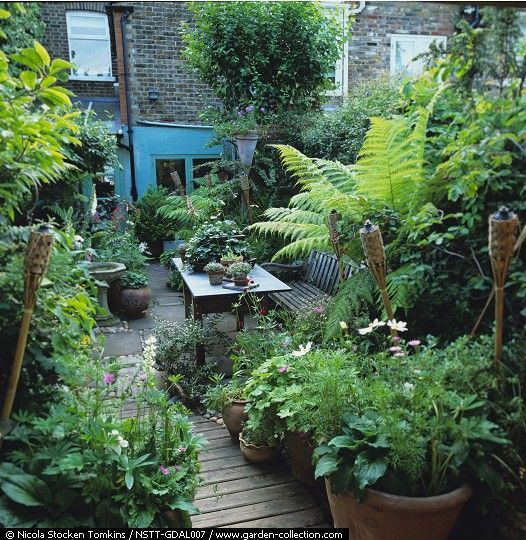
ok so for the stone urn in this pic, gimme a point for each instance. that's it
(104, 273)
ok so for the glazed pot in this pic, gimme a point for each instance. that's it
(216, 278)
(134, 302)
(257, 454)
(300, 450)
(383, 516)
(155, 249)
(234, 416)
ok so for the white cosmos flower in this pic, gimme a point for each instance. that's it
(303, 350)
(343, 325)
(399, 326)
(376, 323)
(366, 330)
(408, 387)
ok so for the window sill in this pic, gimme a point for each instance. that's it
(92, 79)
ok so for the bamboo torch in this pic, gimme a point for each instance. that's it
(373, 246)
(333, 218)
(503, 227)
(38, 253)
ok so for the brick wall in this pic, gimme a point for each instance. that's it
(56, 42)
(155, 46)
(370, 45)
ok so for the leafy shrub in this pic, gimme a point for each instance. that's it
(134, 280)
(148, 226)
(277, 51)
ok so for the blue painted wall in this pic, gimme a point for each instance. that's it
(160, 142)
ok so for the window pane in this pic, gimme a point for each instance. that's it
(404, 54)
(91, 57)
(87, 26)
(164, 169)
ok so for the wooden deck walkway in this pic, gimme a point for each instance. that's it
(236, 493)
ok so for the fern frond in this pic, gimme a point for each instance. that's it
(293, 215)
(404, 286)
(353, 297)
(303, 247)
(290, 231)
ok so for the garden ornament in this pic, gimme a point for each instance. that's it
(373, 247)
(503, 228)
(38, 254)
(246, 146)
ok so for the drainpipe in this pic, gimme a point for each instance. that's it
(123, 20)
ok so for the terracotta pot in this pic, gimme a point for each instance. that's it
(241, 281)
(234, 416)
(216, 278)
(257, 454)
(383, 516)
(300, 449)
(134, 302)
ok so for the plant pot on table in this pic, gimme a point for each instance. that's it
(382, 516)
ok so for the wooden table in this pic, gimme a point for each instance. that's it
(201, 298)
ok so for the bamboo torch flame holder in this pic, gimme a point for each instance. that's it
(373, 246)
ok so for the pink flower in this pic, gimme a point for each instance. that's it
(395, 348)
(319, 310)
(396, 338)
(283, 369)
(398, 354)
(164, 470)
(414, 342)
(182, 449)
(108, 378)
(142, 376)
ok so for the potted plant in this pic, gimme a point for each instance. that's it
(229, 258)
(211, 240)
(228, 398)
(258, 444)
(216, 272)
(412, 443)
(239, 273)
(135, 293)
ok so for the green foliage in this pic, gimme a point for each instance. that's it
(112, 246)
(20, 26)
(212, 240)
(238, 269)
(33, 130)
(214, 268)
(134, 280)
(339, 134)
(176, 356)
(277, 51)
(149, 227)
(175, 280)
(220, 395)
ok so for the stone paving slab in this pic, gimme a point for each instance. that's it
(122, 344)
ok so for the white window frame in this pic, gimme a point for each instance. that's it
(422, 43)
(341, 68)
(106, 38)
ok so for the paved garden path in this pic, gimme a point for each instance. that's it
(234, 493)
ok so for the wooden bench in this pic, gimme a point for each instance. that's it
(316, 280)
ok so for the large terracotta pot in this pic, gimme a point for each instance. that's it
(383, 516)
(256, 454)
(300, 450)
(134, 302)
(234, 416)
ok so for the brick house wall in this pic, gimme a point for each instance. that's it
(56, 42)
(155, 47)
(370, 44)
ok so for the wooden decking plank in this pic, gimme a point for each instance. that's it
(244, 484)
(321, 526)
(234, 473)
(212, 435)
(255, 511)
(303, 518)
(246, 498)
(223, 463)
(195, 419)
(205, 428)
(219, 453)
(221, 443)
